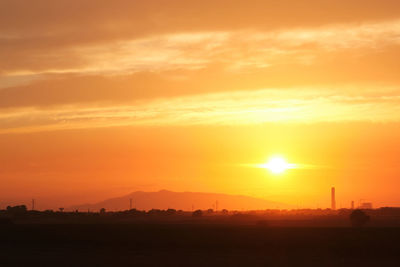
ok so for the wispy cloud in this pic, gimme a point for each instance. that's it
(192, 50)
(291, 105)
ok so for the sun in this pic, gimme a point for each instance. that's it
(277, 165)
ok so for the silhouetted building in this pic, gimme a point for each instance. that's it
(333, 200)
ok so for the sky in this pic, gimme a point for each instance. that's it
(102, 98)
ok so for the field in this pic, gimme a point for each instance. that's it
(196, 245)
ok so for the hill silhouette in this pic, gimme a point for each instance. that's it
(165, 199)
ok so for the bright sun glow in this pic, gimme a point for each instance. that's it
(277, 165)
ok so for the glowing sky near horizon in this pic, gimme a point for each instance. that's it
(94, 94)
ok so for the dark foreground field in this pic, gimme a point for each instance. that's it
(196, 245)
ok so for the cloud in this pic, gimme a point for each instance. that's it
(293, 105)
(202, 62)
(64, 64)
(193, 50)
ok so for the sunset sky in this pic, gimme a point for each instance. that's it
(101, 98)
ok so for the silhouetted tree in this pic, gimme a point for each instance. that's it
(136, 212)
(197, 213)
(17, 212)
(210, 211)
(155, 212)
(61, 209)
(17, 209)
(171, 211)
(224, 211)
(358, 218)
(102, 210)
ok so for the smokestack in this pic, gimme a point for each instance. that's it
(352, 204)
(333, 200)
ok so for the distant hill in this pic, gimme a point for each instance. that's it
(182, 201)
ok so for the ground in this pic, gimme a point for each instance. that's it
(196, 245)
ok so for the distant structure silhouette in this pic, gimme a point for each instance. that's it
(352, 204)
(33, 204)
(333, 199)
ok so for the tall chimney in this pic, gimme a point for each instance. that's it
(333, 200)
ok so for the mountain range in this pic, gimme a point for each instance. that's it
(187, 201)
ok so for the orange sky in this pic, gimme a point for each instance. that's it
(98, 99)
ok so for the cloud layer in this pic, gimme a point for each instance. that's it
(64, 65)
(299, 105)
(193, 50)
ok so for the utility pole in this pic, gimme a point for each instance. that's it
(130, 203)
